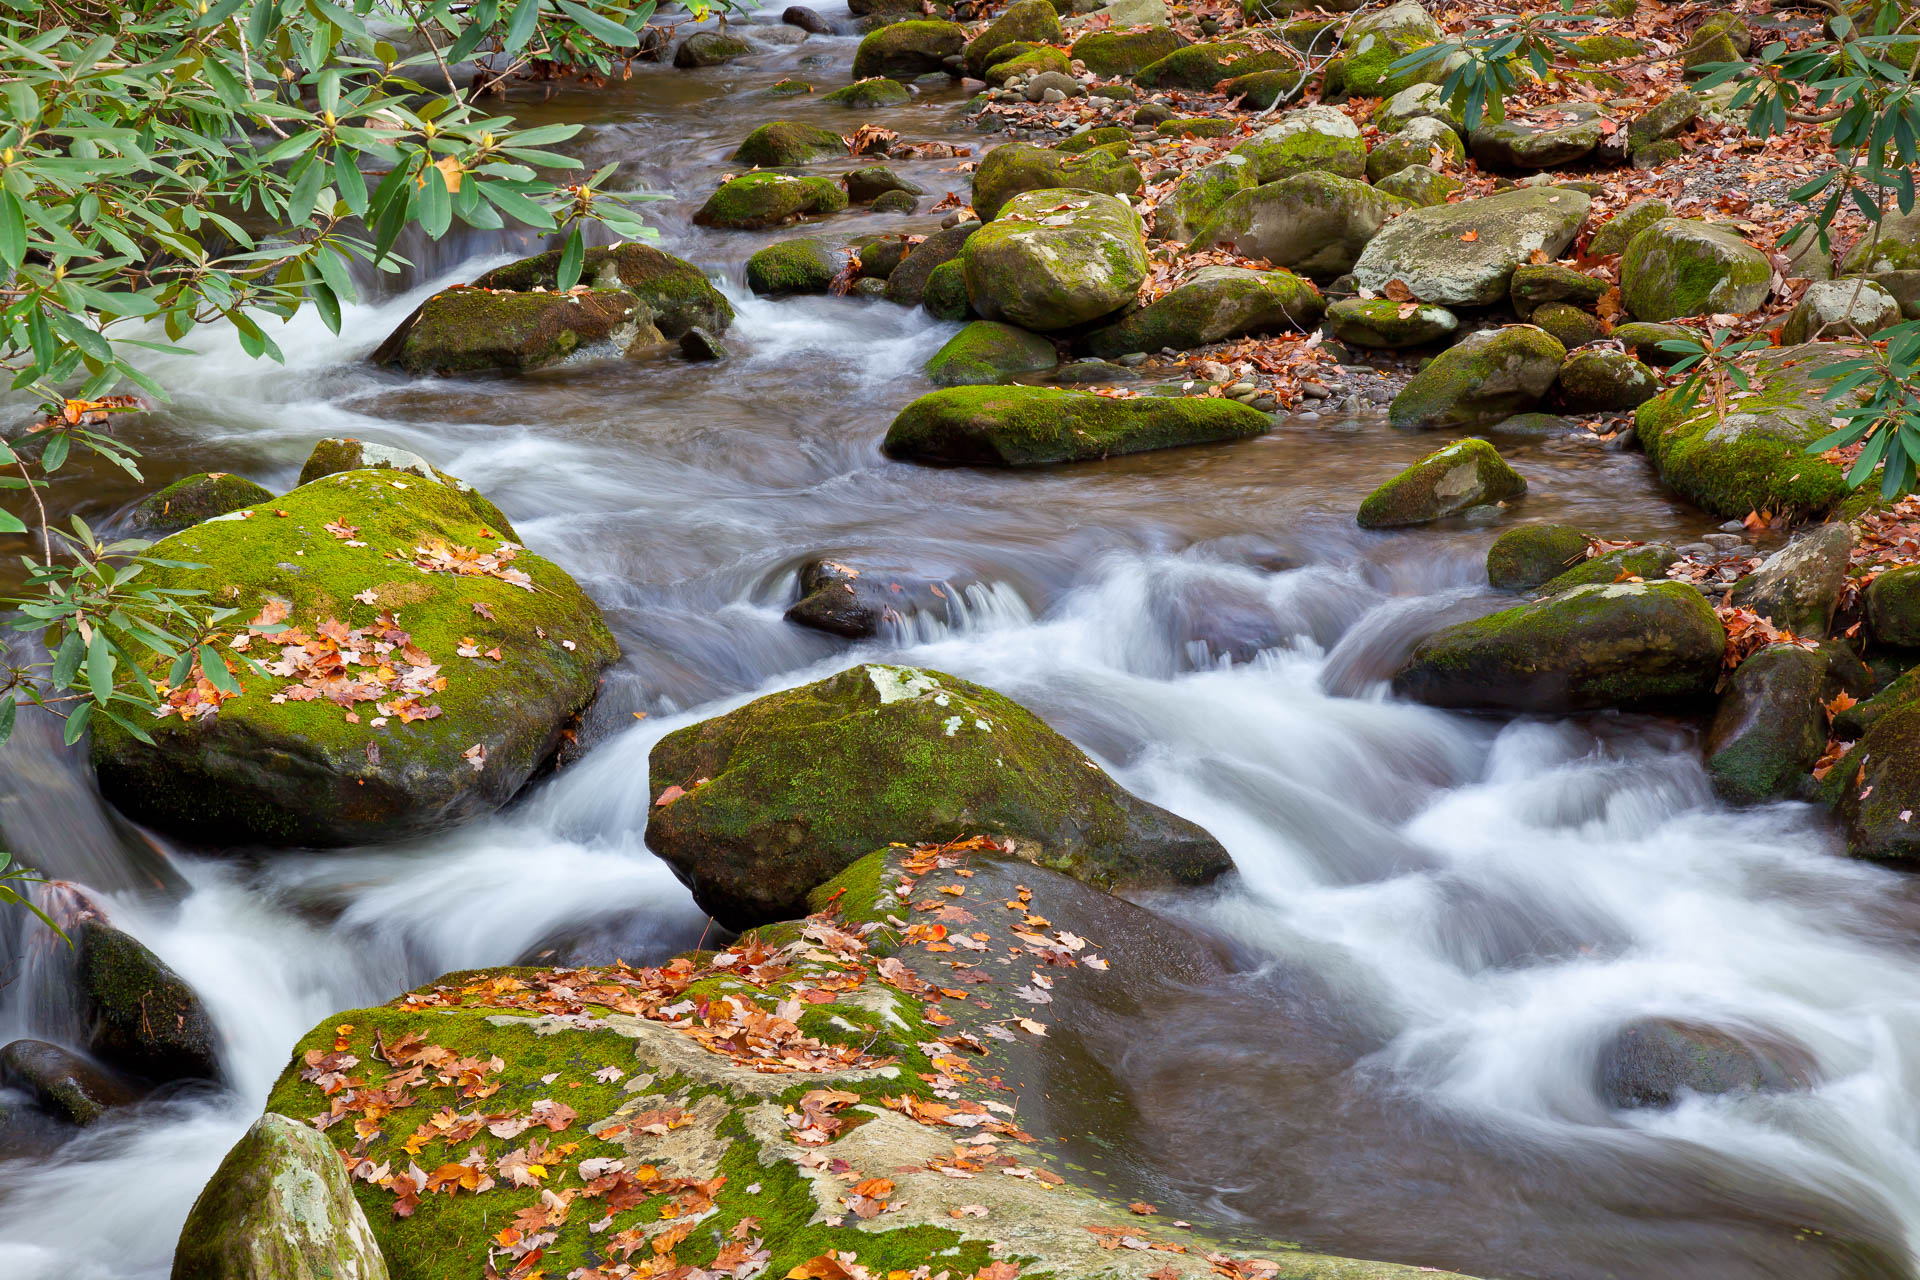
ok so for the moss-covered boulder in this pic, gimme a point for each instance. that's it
(1037, 65)
(345, 453)
(1124, 53)
(868, 94)
(1537, 284)
(674, 293)
(786, 142)
(1420, 185)
(383, 712)
(1380, 322)
(1534, 554)
(1570, 326)
(1893, 607)
(1517, 145)
(1199, 195)
(1199, 67)
(755, 200)
(468, 330)
(1465, 254)
(1881, 788)
(1851, 723)
(1313, 223)
(1104, 136)
(987, 352)
(1602, 381)
(1797, 587)
(1217, 303)
(140, 1015)
(1895, 248)
(709, 49)
(868, 183)
(1425, 141)
(805, 265)
(1616, 233)
(279, 1205)
(1263, 90)
(907, 282)
(1681, 267)
(1032, 21)
(1375, 41)
(908, 50)
(1644, 340)
(1417, 102)
(945, 296)
(1647, 562)
(1466, 473)
(191, 499)
(1628, 644)
(1752, 458)
(1037, 426)
(1840, 309)
(1770, 728)
(1016, 167)
(1056, 258)
(768, 802)
(1307, 140)
(64, 1084)
(1480, 380)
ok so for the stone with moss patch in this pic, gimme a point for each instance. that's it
(468, 330)
(1798, 586)
(1532, 555)
(1056, 258)
(1535, 284)
(1217, 303)
(1417, 102)
(805, 265)
(1570, 326)
(1419, 185)
(676, 294)
(1038, 426)
(1621, 645)
(262, 771)
(1840, 309)
(1465, 254)
(1201, 66)
(1648, 562)
(1682, 267)
(755, 200)
(1199, 195)
(907, 50)
(875, 91)
(1893, 607)
(1307, 140)
(140, 1015)
(1883, 783)
(1896, 248)
(709, 49)
(1643, 339)
(1486, 377)
(1425, 141)
(1380, 322)
(1024, 61)
(1617, 232)
(945, 296)
(987, 352)
(1104, 136)
(1770, 727)
(1016, 167)
(787, 142)
(1603, 381)
(1852, 722)
(1314, 223)
(1466, 473)
(1375, 41)
(1517, 144)
(1263, 90)
(1031, 21)
(907, 283)
(1123, 53)
(191, 499)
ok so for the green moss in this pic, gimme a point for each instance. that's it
(945, 295)
(1201, 66)
(784, 142)
(876, 91)
(1482, 380)
(1216, 305)
(1893, 607)
(1081, 143)
(1648, 563)
(1028, 21)
(1014, 168)
(1597, 380)
(1421, 185)
(1678, 267)
(1524, 558)
(1366, 75)
(905, 50)
(476, 331)
(191, 499)
(1607, 47)
(794, 266)
(1195, 127)
(987, 352)
(1854, 721)
(1466, 473)
(764, 199)
(1035, 426)
(788, 89)
(1881, 787)
(676, 294)
(1123, 53)
(1028, 62)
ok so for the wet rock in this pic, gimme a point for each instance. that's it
(908, 281)
(755, 200)
(785, 142)
(1425, 141)
(697, 344)
(868, 184)
(1852, 722)
(1307, 140)
(945, 296)
(1124, 53)
(1647, 562)
(1378, 322)
(142, 1016)
(675, 294)
(280, 1205)
(1532, 555)
(262, 771)
(1644, 340)
(1797, 586)
(1056, 258)
(1881, 784)
(1217, 303)
(1036, 426)
(191, 499)
(1513, 144)
(1375, 41)
(1313, 223)
(1771, 726)
(1417, 102)
(1840, 309)
(844, 600)
(1031, 21)
(1569, 325)
(1015, 168)
(1480, 380)
(1754, 457)
(1199, 195)
(769, 824)
(1893, 607)
(805, 265)
(1016, 62)
(869, 94)
(1896, 248)
(1656, 1062)
(1602, 381)
(1535, 285)
(1424, 247)
(1419, 184)
(798, 15)
(987, 352)
(332, 456)
(1661, 121)
(1617, 232)
(709, 49)
(464, 330)
(63, 1083)
(1623, 645)
(894, 202)
(1680, 267)
(1466, 473)
(905, 50)
(878, 258)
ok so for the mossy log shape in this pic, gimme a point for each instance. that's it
(1038, 426)
(1466, 473)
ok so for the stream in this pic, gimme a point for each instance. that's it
(1440, 919)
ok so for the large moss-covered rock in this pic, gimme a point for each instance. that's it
(1199, 195)
(1465, 254)
(1681, 267)
(1537, 284)
(1628, 644)
(908, 50)
(1532, 555)
(805, 265)
(1771, 726)
(1427, 142)
(1199, 67)
(282, 763)
(1516, 144)
(1896, 248)
(1124, 53)
(1797, 586)
(1596, 380)
(1616, 233)
(1031, 21)
(1307, 140)
(62, 1083)
(1313, 223)
(1893, 607)
(468, 330)
(786, 142)
(1017, 167)
(1644, 340)
(191, 499)
(1030, 62)
(1754, 457)
(755, 200)
(675, 294)
(788, 791)
(868, 94)
(1852, 723)
(987, 352)
(945, 296)
(1261, 90)
(280, 1205)
(1466, 473)
(1216, 304)
(1881, 789)
(1056, 258)
(1570, 326)
(870, 182)
(1420, 185)
(709, 49)
(1380, 322)
(1036, 426)
(1482, 379)
(908, 281)
(141, 1016)
(1375, 41)
(1647, 562)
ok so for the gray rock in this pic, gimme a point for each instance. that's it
(798, 15)
(1596, 380)
(1313, 223)
(64, 1083)
(1655, 1062)
(1511, 144)
(1840, 309)
(908, 282)
(1314, 139)
(1616, 232)
(1424, 248)
(1417, 102)
(1448, 481)
(1797, 586)
(1681, 267)
(1482, 379)
(709, 49)
(143, 1017)
(697, 344)
(1771, 726)
(1380, 322)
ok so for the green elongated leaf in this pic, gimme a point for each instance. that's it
(55, 455)
(66, 660)
(13, 231)
(606, 29)
(350, 182)
(332, 265)
(262, 21)
(469, 40)
(8, 710)
(77, 722)
(526, 15)
(182, 668)
(515, 205)
(10, 523)
(436, 203)
(571, 258)
(325, 303)
(100, 664)
(214, 667)
(313, 173)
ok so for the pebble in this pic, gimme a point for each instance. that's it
(1697, 551)
(1133, 359)
(1315, 391)
(1734, 526)
(1266, 404)
(1724, 541)
(1241, 388)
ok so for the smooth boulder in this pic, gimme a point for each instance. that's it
(1014, 168)
(1466, 473)
(1314, 223)
(1840, 309)
(908, 50)
(1380, 322)
(1655, 1062)
(1199, 195)
(1465, 254)
(988, 352)
(1483, 379)
(1770, 728)
(1535, 554)
(1307, 140)
(1797, 587)
(1054, 259)
(1893, 607)
(755, 200)
(788, 142)
(1037, 426)
(62, 1083)
(1680, 267)
(1216, 304)
(1596, 380)
(805, 265)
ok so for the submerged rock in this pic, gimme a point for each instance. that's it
(846, 600)
(1680, 267)
(756, 811)
(755, 200)
(1313, 223)
(191, 499)
(868, 94)
(1624, 645)
(1216, 304)
(786, 142)
(1483, 379)
(1771, 726)
(1655, 1062)
(63, 1083)
(1466, 473)
(709, 49)
(282, 763)
(280, 1205)
(1036, 426)
(1430, 250)
(988, 352)
(1532, 555)
(868, 184)
(1017, 167)
(142, 1016)
(1055, 259)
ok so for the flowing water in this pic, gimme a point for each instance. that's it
(1438, 920)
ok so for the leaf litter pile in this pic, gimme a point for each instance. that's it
(418, 1120)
